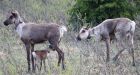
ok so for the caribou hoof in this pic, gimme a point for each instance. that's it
(33, 71)
(29, 71)
(114, 59)
(107, 60)
(133, 64)
(58, 64)
(63, 67)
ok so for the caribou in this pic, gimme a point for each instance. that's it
(40, 57)
(119, 29)
(33, 33)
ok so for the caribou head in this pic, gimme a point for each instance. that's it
(85, 33)
(13, 18)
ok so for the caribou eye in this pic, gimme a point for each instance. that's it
(83, 31)
(11, 17)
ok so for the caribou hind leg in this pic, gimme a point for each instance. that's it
(61, 57)
(121, 44)
(54, 43)
(131, 50)
(117, 55)
(50, 46)
(133, 58)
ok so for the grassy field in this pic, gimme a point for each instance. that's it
(81, 58)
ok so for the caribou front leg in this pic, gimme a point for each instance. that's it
(44, 65)
(132, 54)
(40, 65)
(28, 55)
(33, 64)
(107, 42)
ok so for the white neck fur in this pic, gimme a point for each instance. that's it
(96, 33)
(19, 29)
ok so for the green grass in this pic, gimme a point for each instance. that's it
(81, 58)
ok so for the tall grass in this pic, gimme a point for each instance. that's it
(81, 58)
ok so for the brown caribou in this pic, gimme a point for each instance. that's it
(40, 57)
(119, 29)
(32, 33)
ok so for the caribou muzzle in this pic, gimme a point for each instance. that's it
(78, 38)
(89, 37)
(5, 23)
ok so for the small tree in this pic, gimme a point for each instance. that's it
(95, 11)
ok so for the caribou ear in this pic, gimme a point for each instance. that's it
(85, 27)
(14, 13)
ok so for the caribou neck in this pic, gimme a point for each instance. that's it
(96, 33)
(19, 28)
(17, 24)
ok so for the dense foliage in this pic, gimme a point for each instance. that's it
(95, 11)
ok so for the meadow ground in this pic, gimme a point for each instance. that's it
(81, 57)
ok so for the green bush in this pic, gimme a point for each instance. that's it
(95, 11)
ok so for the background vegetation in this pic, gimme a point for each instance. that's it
(81, 58)
(95, 11)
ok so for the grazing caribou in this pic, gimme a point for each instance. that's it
(120, 29)
(40, 57)
(32, 33)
